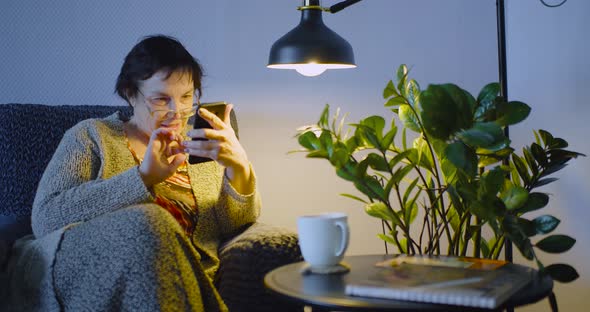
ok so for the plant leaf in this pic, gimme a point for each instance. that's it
(386, 238)
(376, 123)
(546, 137)
(408, 118)
(545, 224)
(527, 226)
(388, 138)
(440, 113)
(522, 169)
(562, 272)
(462, 157)
(487, 157)
(562, 156)
(422, 157)
(542, 182)
(318, 154)
(309, 140)
(409, 189)
(413, 93)
(528, 156)
(354, 197)
(514, 197)
(535, 201)
(552, 168)
(400, 173)
(377, 162)
(492, 181)
(368, 136)
(511, 113)
(381, 211)
(399, 157)
(558, 143)
(404, 139)
(488, 94)
(516, 234)
(484, 134)
(402, 77)
(326, 142)
(395, 101)
(410, 213)
(539, 154)
(340, 157)
(348, 172)
(375, 187)
(389, 90)
(537, 137)
(556, 243)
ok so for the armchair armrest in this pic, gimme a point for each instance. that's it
(245, 259)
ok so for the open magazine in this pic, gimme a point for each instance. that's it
(447, 280)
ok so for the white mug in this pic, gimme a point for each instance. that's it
(323, 238)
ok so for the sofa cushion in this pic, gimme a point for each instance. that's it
(29, 135)
(245, 260)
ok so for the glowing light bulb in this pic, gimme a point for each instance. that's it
(311, 70)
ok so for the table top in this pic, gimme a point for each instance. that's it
(327, 291)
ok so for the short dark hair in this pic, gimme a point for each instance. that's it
(153, 54)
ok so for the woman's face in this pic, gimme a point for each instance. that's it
(160, 94)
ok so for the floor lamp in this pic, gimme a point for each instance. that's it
(311, 48)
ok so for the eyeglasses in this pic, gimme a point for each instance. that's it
(168, 113)
(162, 103)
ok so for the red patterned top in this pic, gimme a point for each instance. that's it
(175, 194)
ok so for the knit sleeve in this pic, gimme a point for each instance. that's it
(235, 210)
(71, 191)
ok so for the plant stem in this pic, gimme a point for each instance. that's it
(466, 238)
(406, 228)
(399, 245)
(477, 243)
(409, 240)
(386, 201)
(495, 251)
(455, 242)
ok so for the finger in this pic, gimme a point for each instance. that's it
(162, 134)
(204, 133)
(177, 150)
(204, 145)
(163, 131)
(213, 153)
(208, 153)
(177, 161)
(211, 118)
(227, 114)
(196, 134)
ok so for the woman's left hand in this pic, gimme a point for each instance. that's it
(223, 146)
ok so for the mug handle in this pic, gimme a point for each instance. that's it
(345, 236)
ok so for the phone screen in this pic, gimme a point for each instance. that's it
(217, 108)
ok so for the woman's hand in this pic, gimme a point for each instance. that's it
(163, 156)
(223, 146)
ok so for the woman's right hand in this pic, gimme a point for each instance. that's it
(162, 157)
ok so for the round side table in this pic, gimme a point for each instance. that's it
(326, 292)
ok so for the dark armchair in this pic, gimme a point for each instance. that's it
(30, 133)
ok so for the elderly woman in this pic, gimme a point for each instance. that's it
(141, 226)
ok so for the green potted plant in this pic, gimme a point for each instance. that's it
(445, 158)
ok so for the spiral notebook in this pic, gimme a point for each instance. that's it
(470, 285)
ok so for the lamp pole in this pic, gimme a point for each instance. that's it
(501, 27)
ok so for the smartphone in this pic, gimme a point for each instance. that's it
(217, 108)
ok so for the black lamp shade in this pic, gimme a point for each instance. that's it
(311, 42)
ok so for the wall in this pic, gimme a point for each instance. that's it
(71, 51)
(549, 69)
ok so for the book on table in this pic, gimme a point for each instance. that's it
(470, 282)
